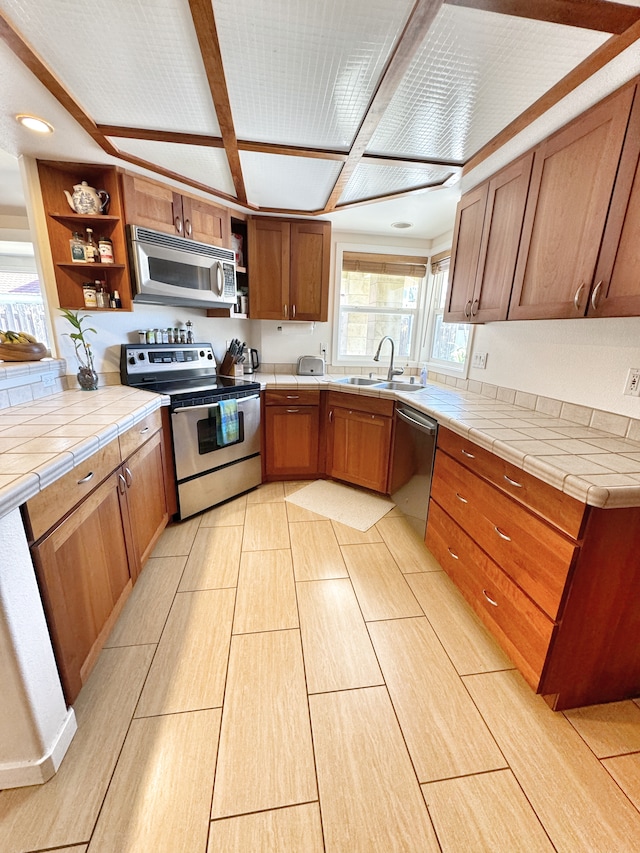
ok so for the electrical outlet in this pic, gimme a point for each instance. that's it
(632, 385)
(479, 360)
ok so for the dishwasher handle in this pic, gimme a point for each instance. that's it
(418, 420)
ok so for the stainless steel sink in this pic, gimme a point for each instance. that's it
(400, 386)
(358, 380)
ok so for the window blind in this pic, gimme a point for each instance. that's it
(384, 264)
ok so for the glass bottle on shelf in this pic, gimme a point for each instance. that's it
(92, 253)
(189, 332)
(102, 296)
(77, 248)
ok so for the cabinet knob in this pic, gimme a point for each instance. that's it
(178, 224)
(188, 230)
(467, 310)
(474, 307)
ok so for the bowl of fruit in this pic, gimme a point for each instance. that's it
(20, 346)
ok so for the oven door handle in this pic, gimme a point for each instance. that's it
(212, 405)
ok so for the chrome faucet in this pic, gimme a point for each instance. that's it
(391, 372)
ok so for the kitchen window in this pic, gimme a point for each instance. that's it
(21, 304)
(446, 345)
(380, 294)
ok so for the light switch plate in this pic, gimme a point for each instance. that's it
(479, 360)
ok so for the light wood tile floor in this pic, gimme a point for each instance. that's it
(279, 683)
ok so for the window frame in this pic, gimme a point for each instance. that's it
(380, 249)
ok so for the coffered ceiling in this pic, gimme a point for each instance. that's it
(304, 107)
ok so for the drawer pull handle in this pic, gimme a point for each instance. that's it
(595, 294)
(122, 486)
(293, 396)
(85, 479)
(466, 453)
(145, 429)
(292, 411)
(460, 498)
(489, 599)
(576, 298)
(128, 477)
(501, 534)
(455, 556)
(513, 482)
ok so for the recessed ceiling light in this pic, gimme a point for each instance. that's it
(402, 224)
(35, 123)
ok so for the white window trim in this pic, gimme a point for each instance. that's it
(366, 361)
(434, 365)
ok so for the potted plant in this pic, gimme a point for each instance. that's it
(87, 376)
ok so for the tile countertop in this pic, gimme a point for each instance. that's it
(594, 466)
(43, 439)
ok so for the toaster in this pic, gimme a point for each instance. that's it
(310, 365)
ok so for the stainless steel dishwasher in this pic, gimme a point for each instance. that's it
(414, 448)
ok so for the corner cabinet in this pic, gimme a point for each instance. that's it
(359, 432)
(553, 579)
(55, 178)
(159, 207)
(91, 531)
(292, 432)
(485, 246)
(289, 261)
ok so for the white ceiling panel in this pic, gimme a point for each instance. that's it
(475, 73)
(127, 62)
(370, 180)
(293, 183)
(209, 166)
(312, 66)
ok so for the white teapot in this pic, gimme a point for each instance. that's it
(87, 200)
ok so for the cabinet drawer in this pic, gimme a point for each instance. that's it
(523, 631)
(133, 438)
(293, 397)
(360, 403)
(561, 510)
(53, 503)
(529, 550)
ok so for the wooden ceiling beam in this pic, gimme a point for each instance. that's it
(207, 34)
(598, 15)
(416, 28)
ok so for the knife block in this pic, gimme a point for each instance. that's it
(226, 368)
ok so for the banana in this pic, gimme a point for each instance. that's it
(10, 337)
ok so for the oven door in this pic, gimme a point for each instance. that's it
(195, 441)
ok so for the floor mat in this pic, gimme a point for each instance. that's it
(345, 504)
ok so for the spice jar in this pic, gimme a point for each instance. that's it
(89, 294)
(77, 248)
(142, 336)
(105, 247)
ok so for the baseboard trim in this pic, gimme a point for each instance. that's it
(22, 774)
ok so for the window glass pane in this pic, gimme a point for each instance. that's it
(360, 333)
(379, 291)
(21, 303)
(450, 341)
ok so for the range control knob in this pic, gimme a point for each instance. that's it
(141, 356)
(132, 360)
(210, 356)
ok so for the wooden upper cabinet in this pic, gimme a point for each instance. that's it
(571, 187)
(269, 241)
(289, 262)
(157, 206)
(467, 237)
(309, 272)
(616, 290)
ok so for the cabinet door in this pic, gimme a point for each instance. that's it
(309, 281)
(616, 292)
(467, 237)
(504, 215)
(83, 573)
(152, 205)
(571, 187)
(269, 241)
(206, 222)
(146, 500)
(359, 445)
(291, 441)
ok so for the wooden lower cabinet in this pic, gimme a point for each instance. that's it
(87, 562)
(292, 432)
(82, 568)
(563, 607)
(359, 440)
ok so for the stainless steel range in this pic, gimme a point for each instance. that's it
(208, 470)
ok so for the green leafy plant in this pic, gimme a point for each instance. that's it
(82, 346)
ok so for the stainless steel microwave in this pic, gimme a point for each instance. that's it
(169, 270)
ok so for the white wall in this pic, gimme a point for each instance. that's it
(582, 361)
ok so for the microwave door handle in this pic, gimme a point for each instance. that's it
(219, 279)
